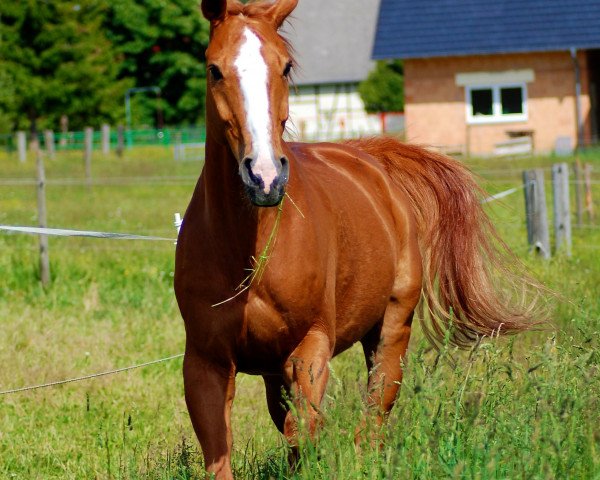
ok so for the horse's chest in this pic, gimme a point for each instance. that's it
(271, 328)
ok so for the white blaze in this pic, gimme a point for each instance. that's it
(253, 74)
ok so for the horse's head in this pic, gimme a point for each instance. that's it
(247, 96)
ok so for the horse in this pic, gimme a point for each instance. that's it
(290, 253)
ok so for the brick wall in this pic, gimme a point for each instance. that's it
(436, 110)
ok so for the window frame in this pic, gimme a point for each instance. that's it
(497, 115)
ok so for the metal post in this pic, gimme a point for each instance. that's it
(42, 217)
(562, 211)
(538, 235)
(157, 91)
(89, 138)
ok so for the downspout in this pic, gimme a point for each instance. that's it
(578, 116)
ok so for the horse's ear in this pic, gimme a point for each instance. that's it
(214, 10)
(280, 10)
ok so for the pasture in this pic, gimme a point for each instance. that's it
(522, 407)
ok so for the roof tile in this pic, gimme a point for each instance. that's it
(433, 28)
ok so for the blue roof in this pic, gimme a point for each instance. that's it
(440, 28)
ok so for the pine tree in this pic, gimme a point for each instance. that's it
(55, 60)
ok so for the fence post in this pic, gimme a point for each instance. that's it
(178, 148)
(562, 210)
(42, 217)
(89, 139)
(49, 141)
(105, 139)
(120, 140)
(589, 201)
(64, 130)
(578, 189)
(538, 235)
(22, 146)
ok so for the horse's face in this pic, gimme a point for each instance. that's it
(247, 96)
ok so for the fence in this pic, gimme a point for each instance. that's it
(140, 137)
(537, 233)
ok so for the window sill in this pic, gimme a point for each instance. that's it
(497, 120)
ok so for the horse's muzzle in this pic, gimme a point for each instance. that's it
(255, 187)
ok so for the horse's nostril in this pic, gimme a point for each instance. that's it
(285, 168)
(247, 166)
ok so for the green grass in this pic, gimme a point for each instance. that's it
(525, 407)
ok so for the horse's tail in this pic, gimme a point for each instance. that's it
(472, 284)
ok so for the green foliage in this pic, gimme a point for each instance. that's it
(383, 90)
(55, 60)
(162, 43)
(78, 57)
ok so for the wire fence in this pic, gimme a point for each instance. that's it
(124, 236)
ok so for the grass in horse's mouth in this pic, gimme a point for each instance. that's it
(259, 264)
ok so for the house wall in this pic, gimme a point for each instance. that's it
(436, 109)
(329, 112)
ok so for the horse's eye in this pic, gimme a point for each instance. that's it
(288, 69)
(215, 73)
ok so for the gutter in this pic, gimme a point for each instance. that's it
(579, 118)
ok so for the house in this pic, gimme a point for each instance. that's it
(485, 76)
(332, 44)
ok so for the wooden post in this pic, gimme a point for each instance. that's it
(49, 141)
(22, 146)
(64, 130)
(89, 139)
(562, 210)
(178, 148)
(120, 140)
(105, 139)
(538, 235)
(42, 217)
(589, 200)
(578, 191)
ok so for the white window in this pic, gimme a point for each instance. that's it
(496, 103)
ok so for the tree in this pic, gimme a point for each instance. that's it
(383, 90)
(162, 43)
(55, 60)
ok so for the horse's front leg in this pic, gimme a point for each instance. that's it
(307, 372)
(209, 392)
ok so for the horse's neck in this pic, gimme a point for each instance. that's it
(219, 174)
(225, 208)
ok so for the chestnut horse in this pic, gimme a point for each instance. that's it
(361, 233)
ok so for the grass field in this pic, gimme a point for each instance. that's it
(524, 407)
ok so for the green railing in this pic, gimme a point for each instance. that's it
(131, 138)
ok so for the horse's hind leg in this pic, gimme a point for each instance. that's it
(384, 348)
(277, 399)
